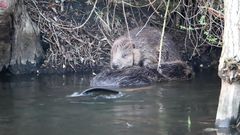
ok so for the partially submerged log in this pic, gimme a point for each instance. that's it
(229, 67)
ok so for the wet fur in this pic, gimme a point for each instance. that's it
(142, 46)
(142, 76)
(134, 61)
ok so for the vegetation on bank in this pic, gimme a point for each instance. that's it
(80, 32)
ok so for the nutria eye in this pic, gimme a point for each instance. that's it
(124, 55)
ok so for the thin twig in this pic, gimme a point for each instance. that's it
(162, 36)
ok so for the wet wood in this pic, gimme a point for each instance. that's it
(228, 104)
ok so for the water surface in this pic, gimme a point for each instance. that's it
(38, 105)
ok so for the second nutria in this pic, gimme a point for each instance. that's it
(136, 76)
(140, 46)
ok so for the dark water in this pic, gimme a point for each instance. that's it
(37, 105)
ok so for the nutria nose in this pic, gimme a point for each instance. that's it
(114, 66)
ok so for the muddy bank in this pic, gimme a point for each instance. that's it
(76, 36)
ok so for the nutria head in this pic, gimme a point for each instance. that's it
(122, 53)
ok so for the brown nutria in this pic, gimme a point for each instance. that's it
(141, 47)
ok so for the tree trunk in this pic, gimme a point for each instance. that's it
(229, 66)
(20, 49)
(6, 27)
(26, 49)
(5, 41)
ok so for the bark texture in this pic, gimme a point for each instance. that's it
(229, 66)
(5, 41)
(26, 49)
(6, 28)
(20, 49)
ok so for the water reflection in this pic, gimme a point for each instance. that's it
(37, 105)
